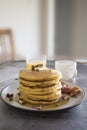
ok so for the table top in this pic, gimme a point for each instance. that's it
(15, 119)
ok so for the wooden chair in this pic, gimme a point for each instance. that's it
(7, 50)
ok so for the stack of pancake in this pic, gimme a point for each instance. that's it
(39, 86)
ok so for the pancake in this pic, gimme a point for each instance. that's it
(45, 97)
(38, 102)
(40, 86)
(44, 75)
(40, 91)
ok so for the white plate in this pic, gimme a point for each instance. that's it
(12, 88)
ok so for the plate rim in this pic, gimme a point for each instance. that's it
(51, 110)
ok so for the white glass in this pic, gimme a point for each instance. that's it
(35, 61)
(67, 68)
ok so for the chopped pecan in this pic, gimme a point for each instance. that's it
(33, 67)
(66, 90)
(10, 96)
(72, 92)
(10, 99)
(21, 102)
(65, 97)
(38, 107)
(39, 65)
(36, 67)
(75, 91)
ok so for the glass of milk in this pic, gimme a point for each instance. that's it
(67, 68)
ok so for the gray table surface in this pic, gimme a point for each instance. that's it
(15, 119)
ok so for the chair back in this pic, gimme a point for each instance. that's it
(7, 50)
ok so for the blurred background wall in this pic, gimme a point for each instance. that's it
(71, 28)
(50, 27)
(22, 16)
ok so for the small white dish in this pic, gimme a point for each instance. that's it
(83, 61)
(67, 68)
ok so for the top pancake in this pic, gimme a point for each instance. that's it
(43, 75)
